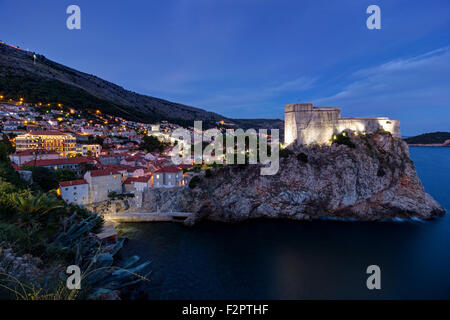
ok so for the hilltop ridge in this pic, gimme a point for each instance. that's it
(41, 79)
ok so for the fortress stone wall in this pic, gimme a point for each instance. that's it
(306, 124)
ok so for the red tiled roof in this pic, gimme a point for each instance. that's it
(169, 169)
(72, 183)
(101, 173)
(55, 162)
(33, 152)
(140, 179)
(47, 133)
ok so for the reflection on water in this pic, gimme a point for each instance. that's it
(272, 259)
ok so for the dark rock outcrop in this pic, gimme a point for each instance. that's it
(376, 179)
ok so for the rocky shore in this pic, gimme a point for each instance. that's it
(372, 179)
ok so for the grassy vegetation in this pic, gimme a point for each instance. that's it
(40, 225)
(30, 218)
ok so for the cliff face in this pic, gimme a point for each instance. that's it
(374, 180)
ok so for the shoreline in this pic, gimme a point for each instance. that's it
(428, 145)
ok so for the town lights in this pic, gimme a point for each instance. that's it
(1, 97)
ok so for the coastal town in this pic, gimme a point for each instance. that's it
(102, 154)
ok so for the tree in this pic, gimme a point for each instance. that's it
(152, 144)
(65, 175)
(99, 140)
(8, 145)
(45, 178)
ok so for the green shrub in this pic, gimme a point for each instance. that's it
(381, 172)
(65, 175)
(344, 139)
(194, 182)
(286, 153)
(11, 233)
(45, 178)
(302, 157)
(208, 173)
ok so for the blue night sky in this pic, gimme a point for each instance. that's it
(248, 58)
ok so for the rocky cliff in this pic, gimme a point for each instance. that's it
(369, 179)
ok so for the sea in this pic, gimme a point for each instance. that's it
(283, 259)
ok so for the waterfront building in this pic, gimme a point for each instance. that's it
(140, 184)
(168, 177)
(102, 183)
(76, 191)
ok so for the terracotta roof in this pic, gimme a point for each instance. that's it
(169, 169)
(55, 162)
(101, 173)
(140, 179)
(72, 183)
(33, 152)
(47, 133)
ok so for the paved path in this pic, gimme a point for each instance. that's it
(146, 216)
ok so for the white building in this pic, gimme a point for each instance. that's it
(22, 157)
(137, 184)
(168, 177)
(102, 183)
(89, 149)
(76, 192)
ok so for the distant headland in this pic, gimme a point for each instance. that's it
(433, 139)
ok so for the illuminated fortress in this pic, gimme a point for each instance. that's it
(306, 124)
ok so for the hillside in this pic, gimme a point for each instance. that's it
(429, 138)
(50, 82)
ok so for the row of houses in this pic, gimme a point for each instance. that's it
(98, 185)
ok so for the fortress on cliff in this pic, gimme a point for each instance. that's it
(305, 124)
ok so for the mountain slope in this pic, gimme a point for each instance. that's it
(48, 81)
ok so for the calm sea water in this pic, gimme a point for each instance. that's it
(270, 259)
